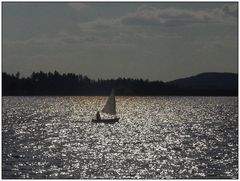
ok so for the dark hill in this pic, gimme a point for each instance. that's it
(208, 81)
(207, 84)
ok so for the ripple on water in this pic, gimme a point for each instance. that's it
(157, 137)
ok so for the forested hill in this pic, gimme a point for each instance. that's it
(40, 83)
(208, 81)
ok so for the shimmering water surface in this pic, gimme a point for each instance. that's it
(157, 137)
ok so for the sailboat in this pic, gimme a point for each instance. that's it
(110, 109)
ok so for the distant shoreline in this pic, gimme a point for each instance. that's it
(55, 84)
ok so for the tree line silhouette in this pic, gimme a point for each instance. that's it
(40, 83)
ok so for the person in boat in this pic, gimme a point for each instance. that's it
(98, 117)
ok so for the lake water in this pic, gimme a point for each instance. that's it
(156, 137)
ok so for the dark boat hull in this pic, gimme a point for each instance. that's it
(114, 120)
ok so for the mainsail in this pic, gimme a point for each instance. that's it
(110, 106)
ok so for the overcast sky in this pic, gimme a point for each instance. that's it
(156, 41)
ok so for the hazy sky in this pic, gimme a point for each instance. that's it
(158, 41)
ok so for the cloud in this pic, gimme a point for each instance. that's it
(79, 6)
(59, 39)
(120, 30)
(230, 9)
(113, 30)
(174, 17)
(101, 25)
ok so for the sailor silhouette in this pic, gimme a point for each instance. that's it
(98, 117)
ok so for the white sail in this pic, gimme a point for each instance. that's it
(110, 106)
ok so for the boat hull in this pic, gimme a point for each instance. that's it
(114, 120)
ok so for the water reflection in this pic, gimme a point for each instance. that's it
(157, 137)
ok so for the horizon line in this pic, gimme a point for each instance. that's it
(96, 79)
